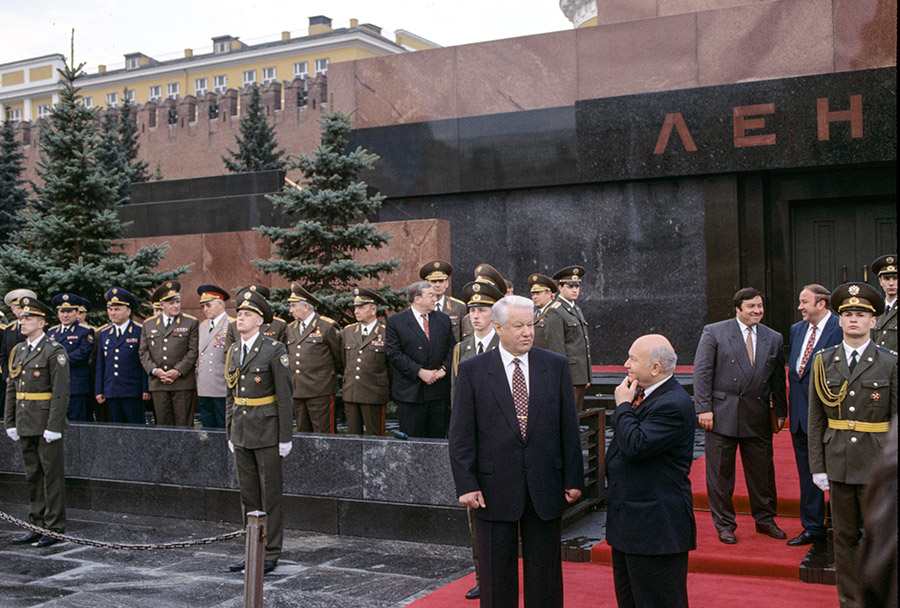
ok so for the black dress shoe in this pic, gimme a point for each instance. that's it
(727, 537)
(771, 530)
(473, 593)
(236, 566)
(268, 566)
(26, 539)
(46, 541)
(805, 538)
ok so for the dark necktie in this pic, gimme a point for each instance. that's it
(437, 306)
(168, 322)
(520, 396)
(212, 325)
(480, 348)
(637, 399)
(243, 353)
(365, 332)
(30, 350)
(425, 326)
(118, 332)
(854, 357)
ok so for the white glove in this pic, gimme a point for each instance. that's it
(230, 447)
(821, 481)
(13, 434)
(285, 448)
(50, 436)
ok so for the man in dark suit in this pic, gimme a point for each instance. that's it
(419, 344)
(516, 459)
(647, 468)
(818, 330)
(738, 369)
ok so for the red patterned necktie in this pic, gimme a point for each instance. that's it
(425, 326)
(637, 399)
(520, 396)
(807, 352)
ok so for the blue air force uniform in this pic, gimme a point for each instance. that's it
(119, 375)
(78, 341)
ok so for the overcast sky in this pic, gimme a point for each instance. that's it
(107, 29)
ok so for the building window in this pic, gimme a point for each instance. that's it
(87, 102)
(201, 86)
(129, 94)
(220, 83)
(155, 93)
(112, 100)
(222, 47)
(172, 90)
(268, 75)
(249, 77)
(43, 110)
(133, 63)
(321, 66)
(14, 114)
(301, 70)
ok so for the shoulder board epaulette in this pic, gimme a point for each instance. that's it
(351, 325)
(4, 326)
(269, 341)
(102, 327)
(231, 319)
(327, 320)
(187, 316)
(885, 349)
(51, 342)
(829, 349)
(141, 325)
(86, 326)
(279, 319)
(54, 327)
(458, 301)
(556, 304)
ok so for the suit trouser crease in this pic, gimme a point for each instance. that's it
(259, 478)
(45, 477)
(812, 499)
(759, 474)
(426, 419)
(173, 408)
(212, 412)
(368, 414)
(846, 518)
(313, 414)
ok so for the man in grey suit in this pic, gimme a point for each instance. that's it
(738, 376)
(211, 358)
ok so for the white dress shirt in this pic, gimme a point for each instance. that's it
(848, 351)
(820, 327)
(509, 367)
(485, 342)
(653, 387)
(753, 332)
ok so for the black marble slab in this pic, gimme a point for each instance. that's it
(444, 525)
(226, 185)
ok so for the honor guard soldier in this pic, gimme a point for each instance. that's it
(850, 409)
(120, 382)
(168, 351)
(258, 418)
(78, 341)
(37, 396)
(566, 331)
(885, 330)
(276, 329)
(438, 274)
(11, 334)
(314, 345)
(211, 358)
(367, 387)
(484, 273)
(543, 291)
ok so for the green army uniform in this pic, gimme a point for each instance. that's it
(885, 331)
(566, 332)
(277, 330)
(37, 396)
(366, 389)
(456, 310)
(541, 283)
(849, 415)
(258, 418)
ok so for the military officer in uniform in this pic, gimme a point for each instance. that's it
(314, 345)
(11, 334)
(258, 418)
(367, 387)
(438, 274)
(37, 396)
(211, 357)
(850, 408)
(168, 351)
(120, 382)
(543, 291)
(885, 331)
(78, 341)
(484, 273)
(276, 329)
(566, 331)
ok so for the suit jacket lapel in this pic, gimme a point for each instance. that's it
(763, 344)
(416, 328)
(739, 345)
(536, 371)
(206, 335)
(500, 387)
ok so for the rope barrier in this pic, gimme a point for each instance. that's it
(128, 547)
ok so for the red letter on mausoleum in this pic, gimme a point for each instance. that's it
(743, 124)
(824, 118)
(677, 121)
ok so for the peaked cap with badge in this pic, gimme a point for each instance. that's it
(12, 298)
(485, 273)
(479, 293)
(570, 275)
(261, 289)
(885, 266)
(361, 296)
(167, 291)
(117, 296)
(298, 294)
(857, 296)
(540, 282)
(253, 301)
(32, 307)
(212, 292)
(437, 270)
(65, 301)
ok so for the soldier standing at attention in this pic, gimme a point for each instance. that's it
(566, 331)
(258, 419)
(11, 334)
(314, 346)
(211, 357)
(543, 291)
(438, 274)
(78, 340)
(168, 351)
(120, 382)
(276, 329)
(367, 387)
(37, 397)
(885, 331)
(850, 408)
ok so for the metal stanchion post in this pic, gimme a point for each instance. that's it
(254, 557)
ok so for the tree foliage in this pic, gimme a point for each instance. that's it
(120, 147)
(13, 197)
(256, 142)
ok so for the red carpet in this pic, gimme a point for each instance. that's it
(591, 585)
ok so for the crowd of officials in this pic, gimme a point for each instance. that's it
(514, 446)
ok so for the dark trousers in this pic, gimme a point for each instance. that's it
(498, 563)
(98, 412)
(372, 415)
(812, 499)
(130, 410)
(259, 478)
(650, 581)
(313, 415)
(212, 412)
(77, 410)
(759, 472)
(173, 408)
(427, 419)
(846, 520)
(45, 477)
(579, 396)
(471, 513)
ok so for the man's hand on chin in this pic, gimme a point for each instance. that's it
(572, 495)
(474, 500)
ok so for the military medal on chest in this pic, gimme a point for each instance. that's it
(37, 373)
(257, 379)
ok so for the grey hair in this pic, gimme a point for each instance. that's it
(500, 310)
(665, 357)
(416, 289)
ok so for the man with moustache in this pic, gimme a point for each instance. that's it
(543, 291)
(211, 389)
(366, 388)
(818, 330)
(885, 331)
(566, 330)
(120, 382)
